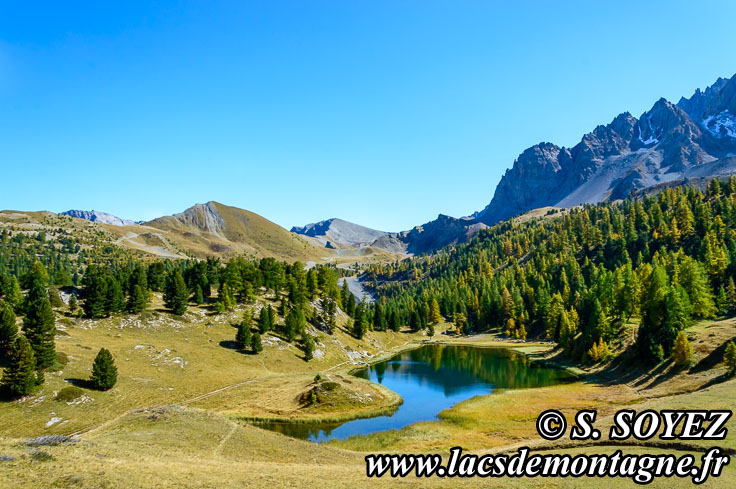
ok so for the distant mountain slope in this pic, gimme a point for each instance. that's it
(443, 231)
(336, 231)
(97, 216)
(667, 143)
(209, 228)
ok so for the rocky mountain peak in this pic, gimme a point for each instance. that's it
(664, 144)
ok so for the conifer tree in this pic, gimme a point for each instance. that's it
(731, 296)
(255, 342)
(682, 352)
(394, 321)
(73, 303)
(115, 296)
(264, 321)
(136, 300)
(198, 295)
(95, 287)
(729, 357)
(415, 321)
(434, 312)
(176, 294)
(379, 318)
(243, 337)
(39, 327)
(271, 316)
(291, 326)
(350, 305)
(19, 376)
(13, 294)
(344, 294)
(104, 372)
(308, 347)
(8, 328)
(359, 326)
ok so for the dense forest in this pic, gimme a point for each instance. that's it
(578, 277)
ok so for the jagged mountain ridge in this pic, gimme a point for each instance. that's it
(663, 145)
(97, 216)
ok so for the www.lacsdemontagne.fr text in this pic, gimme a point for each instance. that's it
(641, 468)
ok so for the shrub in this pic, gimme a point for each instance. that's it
(68, 394)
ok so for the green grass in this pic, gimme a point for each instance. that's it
(170, 420)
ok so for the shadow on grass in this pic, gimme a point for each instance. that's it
(83, 383)
(717, 380)
(230, 345)
(711, 360)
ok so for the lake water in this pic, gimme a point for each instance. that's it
(430, 379)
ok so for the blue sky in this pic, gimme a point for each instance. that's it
(385, 113)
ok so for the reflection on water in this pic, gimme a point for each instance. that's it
(430, 379)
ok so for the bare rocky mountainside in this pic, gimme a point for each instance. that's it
(668, 143)
(97, 216)
(332, 232)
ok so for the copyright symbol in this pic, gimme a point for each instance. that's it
(551, 424)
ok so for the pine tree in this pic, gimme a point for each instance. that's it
(415, 321)
(308, 347)
(722, 301)
(729, 357)
(198, 295)
(39, 327)
(291, 326)
(379, 318)
(350, 305)
(176, 293)
(434, 312)
(731, 296)
(271, 316)
(359, 326)
(394, 321)
(115, 296)
(136, 300)
(682, 352)
(19, 376)
(8, 328)
(73, 303)
(430, 330)
(692, 279)
(243, 337)
(676, 316)
(255, 342)
(13, 294)
(104, 372)
(264, 321)
(344, 294)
